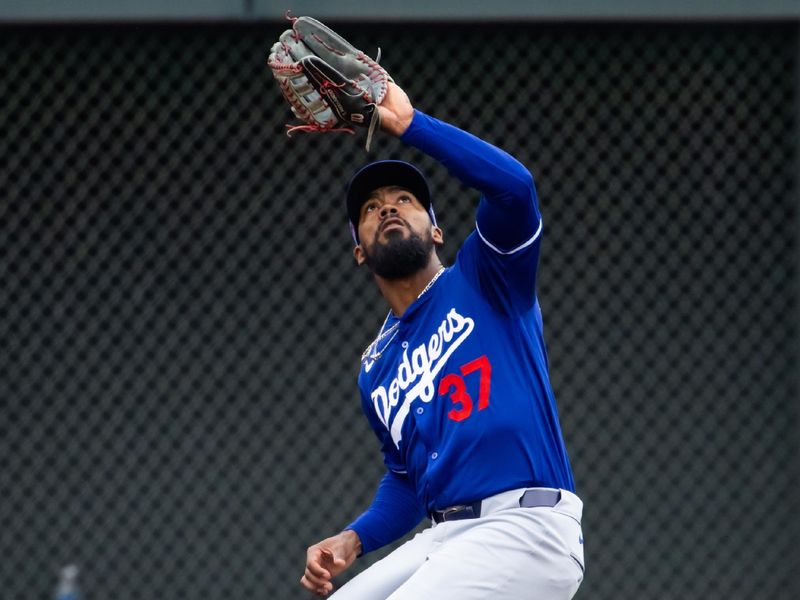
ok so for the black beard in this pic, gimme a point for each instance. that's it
(399, 257)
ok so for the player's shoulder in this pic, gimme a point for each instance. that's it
(507, 279)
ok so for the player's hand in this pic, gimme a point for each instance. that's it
(395, 110)
(326, 559)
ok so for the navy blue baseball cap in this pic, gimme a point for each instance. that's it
(383, 173)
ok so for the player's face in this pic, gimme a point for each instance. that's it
(391, 211)
(396, 233)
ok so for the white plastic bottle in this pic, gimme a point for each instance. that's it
(68, 583)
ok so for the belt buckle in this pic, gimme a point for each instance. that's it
(450, 510)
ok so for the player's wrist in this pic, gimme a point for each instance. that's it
(392, 124)
(396, 111)
(352, 542)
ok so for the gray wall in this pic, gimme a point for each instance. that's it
(181, 320)
(447, 10)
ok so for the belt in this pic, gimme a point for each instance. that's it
(534, 498)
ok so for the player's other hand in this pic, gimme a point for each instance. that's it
(395, 110)
(326, 559)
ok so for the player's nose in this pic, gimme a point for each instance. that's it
(388, 210)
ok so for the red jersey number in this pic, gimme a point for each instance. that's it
(454, 385)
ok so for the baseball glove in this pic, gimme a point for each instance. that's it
(329, 84)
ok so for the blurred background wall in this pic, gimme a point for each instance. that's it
(181, 319)
(406, 10)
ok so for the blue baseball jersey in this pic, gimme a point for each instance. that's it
(457, 388)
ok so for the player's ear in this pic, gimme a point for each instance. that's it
(438, 236)
(358, 254)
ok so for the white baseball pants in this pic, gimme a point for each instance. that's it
(508, 552)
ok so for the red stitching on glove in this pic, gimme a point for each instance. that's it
(315, 128)
(291, 97)
(285, 67)
(327, 83)
(321, 41)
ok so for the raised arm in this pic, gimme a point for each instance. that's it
(508, 215)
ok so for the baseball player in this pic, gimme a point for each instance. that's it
(455, 384)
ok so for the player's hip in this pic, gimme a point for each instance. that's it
(559, 500)
(542, 524)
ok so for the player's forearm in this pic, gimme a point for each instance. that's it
(480, 165)
(394, 512)
(508, 215)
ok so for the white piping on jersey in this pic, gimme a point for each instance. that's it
(518, 248)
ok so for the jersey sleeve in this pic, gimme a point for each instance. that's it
(394, 512)
(396, 509)
(502, 258)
